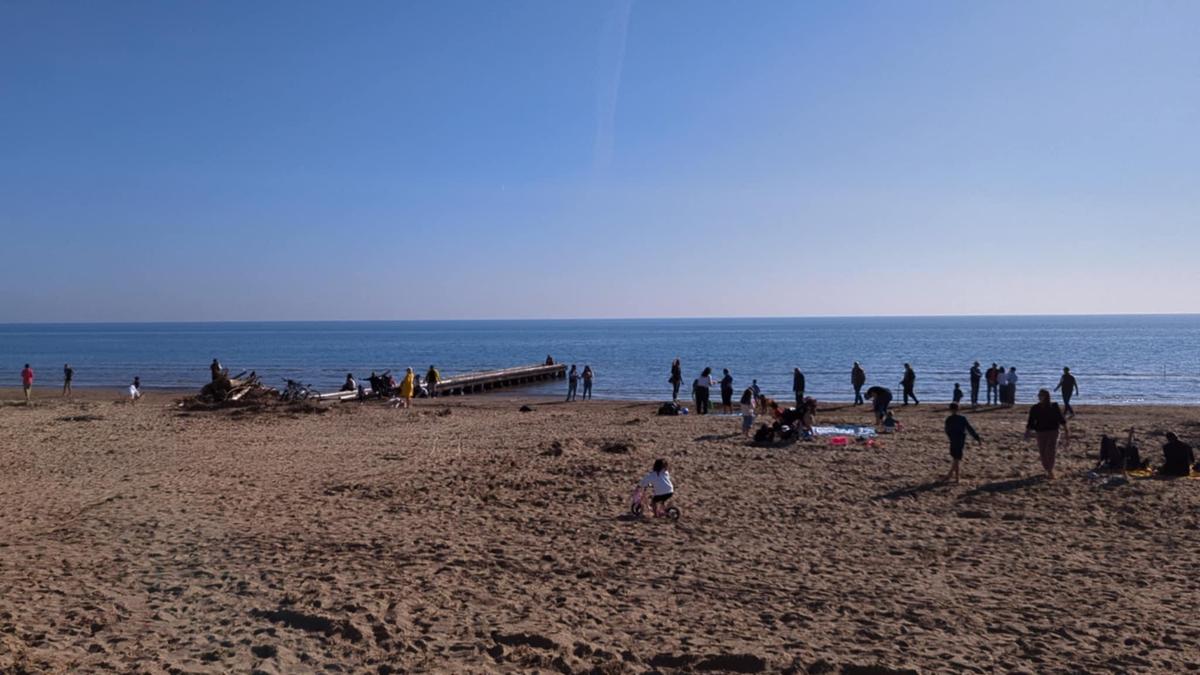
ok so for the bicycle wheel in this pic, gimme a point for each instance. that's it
(673, 512)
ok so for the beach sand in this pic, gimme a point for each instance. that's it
(466, 536)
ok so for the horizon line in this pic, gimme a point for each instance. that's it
(611, 318)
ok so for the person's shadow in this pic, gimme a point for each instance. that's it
(1003, 486)
(913, 491)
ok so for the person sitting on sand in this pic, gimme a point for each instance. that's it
(880, 398)
(135, 389)
(659, 480)
(890, 425)
(1045, 419)
(349, 384)
(957, 428)
(1178, 457)
(749, 410)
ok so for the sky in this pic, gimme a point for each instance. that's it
(201, 161)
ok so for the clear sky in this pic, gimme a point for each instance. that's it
(404, 160)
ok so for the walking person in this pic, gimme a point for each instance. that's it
(68, 375)
(909, 383)
(572, 383)
(993, 385)
(798, 386)
(1069, 388)
(703, 384)
(858, 378)
(957, 428)
(432, 378)
(408, 387)
(1010, 386)
(587, 382)
(749, 410)
(27, 384)
(727, 393)
(976, 376)
(676, 379)
(1045, 420)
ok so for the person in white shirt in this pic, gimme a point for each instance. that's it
(659, 480)
(1011, 380)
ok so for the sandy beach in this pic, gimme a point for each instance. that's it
(467, 536)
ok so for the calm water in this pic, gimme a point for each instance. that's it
(1150, 359)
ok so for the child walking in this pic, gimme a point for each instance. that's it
(957, 428)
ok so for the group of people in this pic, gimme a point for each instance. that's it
(400, 394)
(574, 375)
(27, 378)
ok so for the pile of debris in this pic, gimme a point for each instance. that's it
(241, 388)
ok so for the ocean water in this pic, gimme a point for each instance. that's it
(1117, 359)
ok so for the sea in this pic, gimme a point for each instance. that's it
(1117, 359)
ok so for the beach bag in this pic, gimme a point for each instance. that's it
(670, 408)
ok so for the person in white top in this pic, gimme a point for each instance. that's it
(1011, 381)
(659, 480)
(749, 410)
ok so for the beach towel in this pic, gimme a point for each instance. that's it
(844, 430)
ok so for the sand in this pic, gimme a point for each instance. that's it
(466, 536)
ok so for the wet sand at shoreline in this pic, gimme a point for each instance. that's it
(466, 536)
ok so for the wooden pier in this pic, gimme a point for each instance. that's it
(479, 382)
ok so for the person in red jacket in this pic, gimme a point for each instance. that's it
(27, 383)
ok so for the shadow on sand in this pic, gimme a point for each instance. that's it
(913, 491)
(1004, 486)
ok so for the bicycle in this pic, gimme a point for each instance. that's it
(295, 392)
(639, 504)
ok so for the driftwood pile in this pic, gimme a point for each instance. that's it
(241, 388)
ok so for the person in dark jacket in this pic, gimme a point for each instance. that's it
(676, 379)
(1178, 457)
(727, 392)
(798, 386)
(858, 378)
(572, 383)
(957, 428)
(1045, 420)
(976, 376)
(1069, 388)
(909, 383)
(992, 377)
(880, 398)
(957, 396)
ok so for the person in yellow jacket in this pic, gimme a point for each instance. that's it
(407, 386)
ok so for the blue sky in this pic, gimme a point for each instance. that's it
(220, 160)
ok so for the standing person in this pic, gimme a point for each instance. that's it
(215, 369)
(993, 385)
(909, 383)
(727, 393)
(976, 376)
(432, 378)
(958, 394)
(408, 387)
(749, 409)
(27, 384)
(703, 384)
(1045, 419)
(572, 383)
(858, 377)
(68, 375)
(1010, 386)
(676, 379)
(587, 381)
(880, 398)
(135, 389)
(798, 386)
(754, 386)
(1001, 385)
(957, 428)
(1069, 388)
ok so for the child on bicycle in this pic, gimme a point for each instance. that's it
(659, 480)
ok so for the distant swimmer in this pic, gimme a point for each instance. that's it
(1069, 388)
(858, 378)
